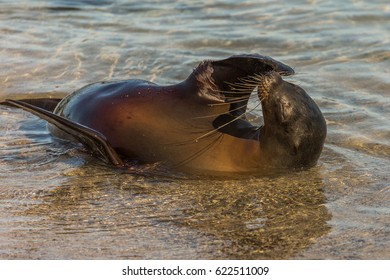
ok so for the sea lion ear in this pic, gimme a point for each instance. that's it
(252, 64)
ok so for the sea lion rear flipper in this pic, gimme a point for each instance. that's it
(48, 104)
(92, 139)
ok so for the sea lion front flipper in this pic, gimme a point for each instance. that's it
(249, 64)
(232, 80)
(90, 138)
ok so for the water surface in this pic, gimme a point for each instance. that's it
(56, 202)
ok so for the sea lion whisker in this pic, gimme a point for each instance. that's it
(235, 101)
(250, 110)
(238, 99)
(199, 152)
(241, 86)
(254, 108)
(216, 115)
(211, 132)
(190, 141)
(247, 80)
(225, 124)
(249, 85)
(238, 91)
(236, 83)
(251, 80)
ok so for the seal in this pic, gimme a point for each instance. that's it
(198, 125)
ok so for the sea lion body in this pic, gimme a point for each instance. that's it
(153, 123)
(198, 125)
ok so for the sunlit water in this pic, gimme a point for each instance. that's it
(56, 202)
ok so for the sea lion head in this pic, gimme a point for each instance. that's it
(294, 128)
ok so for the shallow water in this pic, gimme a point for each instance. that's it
(56, 202)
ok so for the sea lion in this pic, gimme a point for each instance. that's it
(198, 125)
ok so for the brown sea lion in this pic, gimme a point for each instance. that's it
(198, 125)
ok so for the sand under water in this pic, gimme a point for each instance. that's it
(57, 202)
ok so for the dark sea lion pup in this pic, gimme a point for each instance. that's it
(198, 125)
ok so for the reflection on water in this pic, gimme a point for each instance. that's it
(119, 215)
(58, 202)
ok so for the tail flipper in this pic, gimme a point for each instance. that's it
(49, 104)
(90, 138)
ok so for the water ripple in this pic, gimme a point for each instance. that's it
(55, 196)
